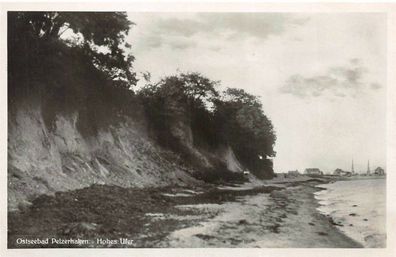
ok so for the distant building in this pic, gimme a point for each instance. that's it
(368, 168)
(379, 171)
(353, 169)
(340, 172)
(313, 171)
(293, 173)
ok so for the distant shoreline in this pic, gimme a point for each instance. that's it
(363, 177)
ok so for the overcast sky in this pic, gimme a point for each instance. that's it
(321, 77)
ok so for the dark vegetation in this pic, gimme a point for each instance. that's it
(232, 117)
(90, 72)
(72, 74)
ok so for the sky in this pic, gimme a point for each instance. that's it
(321, 77)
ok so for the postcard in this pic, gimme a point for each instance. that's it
(233, 129)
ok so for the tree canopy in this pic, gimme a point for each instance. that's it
(247, 129)
(72, 60)
(32, 35)
(233, 117)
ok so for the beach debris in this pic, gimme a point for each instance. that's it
(365, 219)
(176, 195)
(310, 223)
(273, 228)
(242, 222)
(353, 214)
(155, 214)
(79, 228)
(331, 220)
(204, 237)
(322, 233)
(355, 205)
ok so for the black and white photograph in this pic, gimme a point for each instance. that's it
(197, 129)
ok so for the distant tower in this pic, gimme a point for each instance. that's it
(352, 170)
(368, 167)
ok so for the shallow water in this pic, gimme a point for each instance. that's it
(359, 207)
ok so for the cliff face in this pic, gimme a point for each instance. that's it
(212, 162)
(43, 160)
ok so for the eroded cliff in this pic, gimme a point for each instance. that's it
(44, 160)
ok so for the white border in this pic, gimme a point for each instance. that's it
(220, 6)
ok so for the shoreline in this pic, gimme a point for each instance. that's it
(354, 216)
(284, 221)
(273, 215)
(329, 222)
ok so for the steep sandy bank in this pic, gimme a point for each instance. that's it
(43, 161)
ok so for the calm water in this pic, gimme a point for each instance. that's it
(359, 206)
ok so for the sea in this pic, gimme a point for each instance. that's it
(358, 207)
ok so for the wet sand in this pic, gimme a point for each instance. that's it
(283, 218)
(277, 215)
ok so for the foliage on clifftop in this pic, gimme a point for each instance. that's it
(91, 71)
(232, 117)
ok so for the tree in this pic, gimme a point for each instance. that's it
(235, 118)
(198, 87)
(183, 92)
(103, 38)
(242, 123)
(240, 97)
(186, 98)
(93, 75)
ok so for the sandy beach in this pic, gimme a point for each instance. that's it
(282, 218)
(274, 215)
